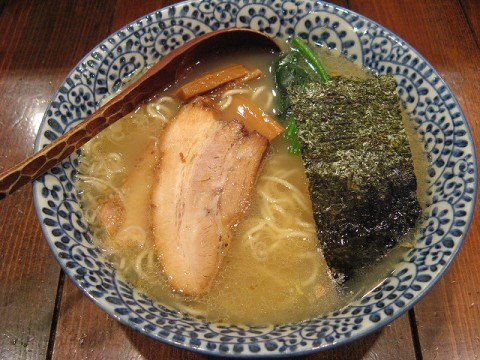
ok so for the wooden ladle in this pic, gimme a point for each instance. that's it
(165, 72)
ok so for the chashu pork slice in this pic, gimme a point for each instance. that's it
(123, 217)
(205, 177)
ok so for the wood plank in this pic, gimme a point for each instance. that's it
(36, 54)
(448, 318)
(472, 11)
(43, 55)
(28, 282)
(9, 24)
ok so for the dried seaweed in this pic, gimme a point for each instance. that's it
(359, 165)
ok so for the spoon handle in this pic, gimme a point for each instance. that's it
(164, 72)
(41, 161)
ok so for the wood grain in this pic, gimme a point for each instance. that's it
(27, 287)
(28, 281)
(472, 13)
(34, 57)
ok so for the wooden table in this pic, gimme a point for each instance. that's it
(43, 315)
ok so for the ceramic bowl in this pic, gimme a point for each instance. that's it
(439, 120)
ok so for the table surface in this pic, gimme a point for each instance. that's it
(43, 315)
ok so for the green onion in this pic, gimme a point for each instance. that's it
(291, 135)
(311, 58)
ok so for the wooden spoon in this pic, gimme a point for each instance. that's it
(165, 72)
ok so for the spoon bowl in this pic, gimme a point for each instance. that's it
(166, 71)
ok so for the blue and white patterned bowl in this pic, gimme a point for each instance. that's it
(452, 172)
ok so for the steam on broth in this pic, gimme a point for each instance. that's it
(273, 272)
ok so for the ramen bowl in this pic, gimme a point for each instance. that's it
(452, 173)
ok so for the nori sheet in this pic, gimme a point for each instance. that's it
(360, 169)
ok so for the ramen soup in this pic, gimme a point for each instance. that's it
(273, 271)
